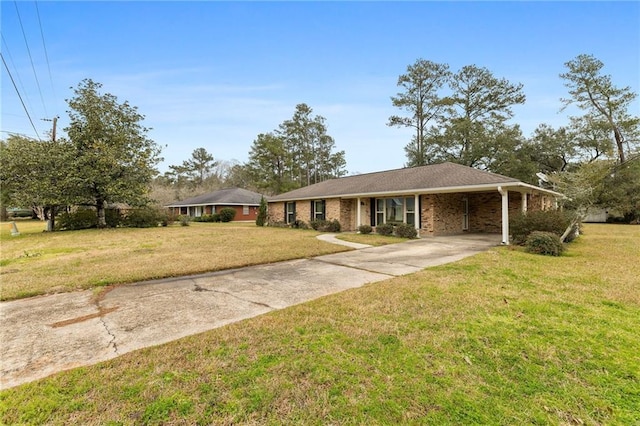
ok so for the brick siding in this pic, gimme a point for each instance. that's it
(441, 214)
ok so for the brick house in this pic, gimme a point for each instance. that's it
(244, 202)
(439, 199)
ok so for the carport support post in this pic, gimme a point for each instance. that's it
(358, 218)
(524, 202)
(416, 212)
(505, 215)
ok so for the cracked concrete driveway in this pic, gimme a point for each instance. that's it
(44, 335)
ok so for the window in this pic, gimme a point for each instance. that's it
(395, 210)
(379, 211)
(410, 210)
(465, 214)
(245, 210)
(318, 209)
(290, 212)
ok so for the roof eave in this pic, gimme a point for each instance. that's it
(212, 204)
(442, 190)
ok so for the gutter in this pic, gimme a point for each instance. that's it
(524, 187)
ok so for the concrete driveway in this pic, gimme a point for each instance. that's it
(44, 335)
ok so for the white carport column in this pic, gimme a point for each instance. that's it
(416, 212)
(524, 202)
(358, 217)
(505, 215)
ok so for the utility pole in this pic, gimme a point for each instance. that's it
(55, 125)
(51, 220)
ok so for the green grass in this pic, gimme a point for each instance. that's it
(371, 239)
(37, 262)
(503, 337)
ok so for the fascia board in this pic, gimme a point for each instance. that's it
(443, 190)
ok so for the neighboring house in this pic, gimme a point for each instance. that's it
(245, 203)
(596, 215)
(437, 199)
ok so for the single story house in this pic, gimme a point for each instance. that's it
(438, 199)
(245, 203)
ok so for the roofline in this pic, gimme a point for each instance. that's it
(443, 190)
(212, 204)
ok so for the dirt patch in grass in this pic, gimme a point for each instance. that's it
(504, 337)
(38, 263)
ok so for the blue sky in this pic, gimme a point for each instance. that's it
(216, 74)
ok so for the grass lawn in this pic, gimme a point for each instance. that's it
(503, 337)
(371, 239)
(37, 262)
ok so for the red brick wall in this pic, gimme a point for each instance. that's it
(240, 216)
(441, 214)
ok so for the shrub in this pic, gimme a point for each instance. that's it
(365, 229)
(227, 214)
(145, 217)
(262, 213)
(406, 230)
(215, 217)
(79, 219)
(299, 224)
(278, 224)
(113, 217)
(384, 229)
(326, 225)
(168, 219)
(316, 224)
(554, 221)
(184, 220)
(335, 226)
(546, 243)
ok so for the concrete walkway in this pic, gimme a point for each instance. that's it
(332, 238)
(44, 335)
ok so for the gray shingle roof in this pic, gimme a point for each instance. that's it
(419, 179)
(229, 196)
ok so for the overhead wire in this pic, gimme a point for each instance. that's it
(20, 96)
(30, 57)
(7, 51)
(44, 46)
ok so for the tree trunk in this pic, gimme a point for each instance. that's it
(51, 223)
(619, 143)
(102, 222)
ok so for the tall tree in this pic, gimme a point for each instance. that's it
(269, 164)
(554, 150)
(421, 100)
(196, 169)
(114, 159)
(475, 128)
(298, 153)
(595, 93)
(310, 147)
(37, 174)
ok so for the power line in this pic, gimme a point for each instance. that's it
(20, 96)
(46, 54)
(8, 52)
(30, 57)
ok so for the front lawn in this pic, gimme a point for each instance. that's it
(371, 239)
(37, 262)
(503, 337)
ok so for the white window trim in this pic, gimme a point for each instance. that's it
(465, 213)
